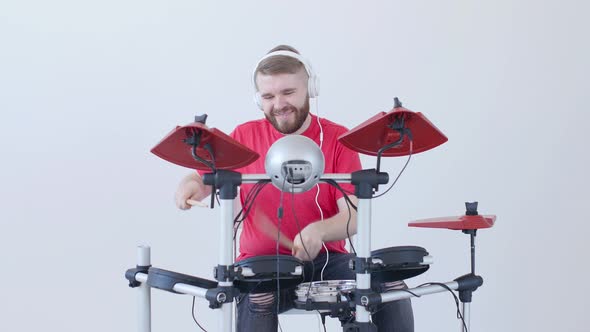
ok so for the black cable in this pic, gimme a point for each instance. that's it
(348, 228)
(199, 159)
(248, 203)
(409, 291)
(207, 147)
(459, 315)
(322, 319)
(247, 200)
(337, 186)
(400, 173)
(349, 203)
(344, 192)
(384, 305)
(194, 318)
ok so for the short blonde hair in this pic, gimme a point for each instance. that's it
(279, 64)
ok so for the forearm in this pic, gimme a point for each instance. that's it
(341, 225)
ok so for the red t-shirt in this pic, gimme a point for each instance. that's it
(259, 135)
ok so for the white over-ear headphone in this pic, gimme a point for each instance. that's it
(313, 83)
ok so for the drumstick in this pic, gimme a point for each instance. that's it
(193, 202)
(286, 242)
(267, 227)
(271, 230)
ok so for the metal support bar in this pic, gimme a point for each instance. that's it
(179, 287)
(338, 177)
(144, 298)
(466, 316)
(363, 250)
(424, 290)
(226, 258)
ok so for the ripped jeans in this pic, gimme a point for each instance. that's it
(258, 312)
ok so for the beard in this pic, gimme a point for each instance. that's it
(289, 126)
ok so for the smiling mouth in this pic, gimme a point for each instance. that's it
(282, 114)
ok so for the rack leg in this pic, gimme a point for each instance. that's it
(466, 312)
(144, 299)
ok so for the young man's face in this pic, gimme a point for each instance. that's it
(284, 100)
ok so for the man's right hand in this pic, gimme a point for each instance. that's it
(191, 187)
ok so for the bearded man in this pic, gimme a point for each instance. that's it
(317, 221)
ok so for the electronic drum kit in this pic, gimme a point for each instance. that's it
(399, 132)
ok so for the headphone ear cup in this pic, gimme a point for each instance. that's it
(313, 86)
(258, 100)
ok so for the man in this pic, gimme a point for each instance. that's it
(284, 83)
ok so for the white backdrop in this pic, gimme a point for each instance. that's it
(88, 87)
